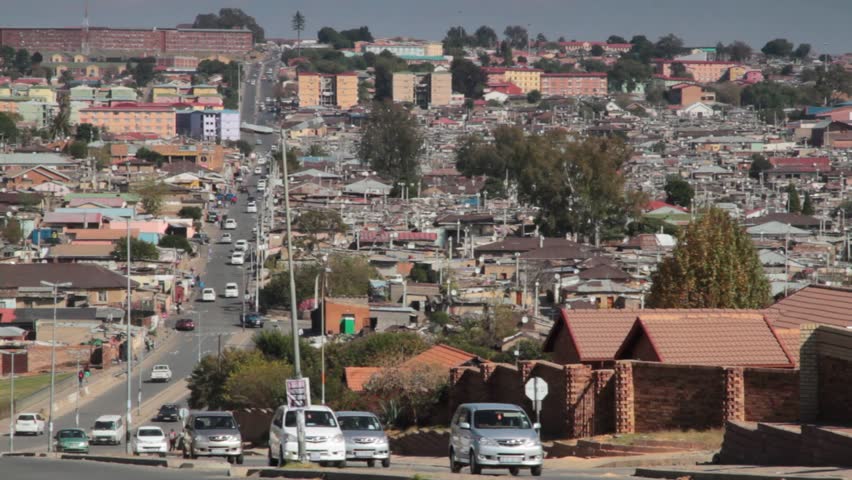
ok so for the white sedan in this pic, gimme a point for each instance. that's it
(241, 245)
(230, 224)
(150, 439)
(232, 290)
(29, 423)
(208, 295)
(226, 238)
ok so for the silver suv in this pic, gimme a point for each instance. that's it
(365, 438)
(212, 434)
(494, 435)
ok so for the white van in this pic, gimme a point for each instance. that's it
(108, 429)
(324, 441)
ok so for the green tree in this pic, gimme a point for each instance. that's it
(23, 61)
(642, 49)
(678, 191)
(209, 379)
(142, 70)
(190, 212)
(349, 277)
(391, 141)
(175, 241)
(808, 205)
(257, 382)
(298, 24)
(360, 34)
(669, 46)
(802, 51)
(12, 231)
(628, 74)
(517, 36)
(243, 146)
(468, 78)
(78, 149)
(739, 51)
(728, 92)
(456, 39)
(485, 37)
(417, 390)
(759, 164)
(794, 204)
(597, 51)
(316, 222)
(8, 129)
(150, 156)
(229, 19)
(151, 195)
(60, 126)
(679, 70)
(316, 150)
(713, 266)
(87, 132)
(779, 47)
(616, 39)
(534, 96)
(140, 250)
(36, 58)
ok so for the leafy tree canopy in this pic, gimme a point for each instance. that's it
(140, 250)
(230, 18)
(679, 192)
(391, 141)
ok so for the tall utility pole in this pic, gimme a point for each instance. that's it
(12, 400)
(294, 324)
(55, 287)
(128, 415)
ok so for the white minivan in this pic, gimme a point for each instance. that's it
(324, 441)
(108, 429)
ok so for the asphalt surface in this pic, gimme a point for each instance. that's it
(19, 468)
(216, 320)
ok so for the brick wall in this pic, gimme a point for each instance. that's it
(677, 396)
(835, 388)
(39, 357)
(771, 395)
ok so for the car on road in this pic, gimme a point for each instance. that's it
(201, 238)
(241, 245)
(150, 439)
(230, 224)
(251, 207)
(238, 258)
(212, 434)
(168, 412)
(108, 429)
(494, 435)
(327, 444)
(232, 290)
(365, 439)
(72, 440)
(29, 423)
(161, 373)
(185, 325)
(208, 295)
(261, 186)
(252, 320)
(225, 238)
(258, 170)
(212, 217)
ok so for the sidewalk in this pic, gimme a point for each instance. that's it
(747, 472)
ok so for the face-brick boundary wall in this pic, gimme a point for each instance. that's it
(634, 396)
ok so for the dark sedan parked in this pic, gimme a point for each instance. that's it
(253, 320)
(168, 413)
(185, 324)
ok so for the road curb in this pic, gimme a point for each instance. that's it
(325, 474)
(671, 473)
(149, 462)
(659, 460)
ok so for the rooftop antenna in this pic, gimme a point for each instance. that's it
(86, 28)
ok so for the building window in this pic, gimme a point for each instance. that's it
(102, 296)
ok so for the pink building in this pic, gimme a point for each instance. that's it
(574, 84)
(753, 76)
(703, 71)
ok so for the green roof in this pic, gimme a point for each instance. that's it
(129, 197)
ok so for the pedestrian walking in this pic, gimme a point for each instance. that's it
(172, 440)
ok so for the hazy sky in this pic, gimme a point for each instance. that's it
(698, 22)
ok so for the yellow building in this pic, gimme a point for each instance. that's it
(42, 93)
(433, 49)
(158, 91)
(423, 89)
(324, 90)
(199, 90)
(527, 79)
(402, 87)
(5, 90)
(132, 118)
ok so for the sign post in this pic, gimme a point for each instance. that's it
(299, 397)
(536, 390)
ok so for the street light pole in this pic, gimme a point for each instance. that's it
(322, 323)
(128, 420)
(294, 325)
(12, 401)
(55, 287)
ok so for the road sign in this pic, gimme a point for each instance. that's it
(536, 389)
(298, 392)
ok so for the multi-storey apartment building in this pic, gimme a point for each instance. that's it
(574, 84)
(209, 125)
(326, 90)
(527, 79)
(405, 49)
(423, 89)
(126, 118)
(703, 71)
(136, 41)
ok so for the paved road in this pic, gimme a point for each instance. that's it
(40, 469)
(181, 351)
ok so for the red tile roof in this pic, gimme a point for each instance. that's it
(735, 338)
(823, 163)
(384, 237)
(441, 355)
(814, 304)
(357, 377)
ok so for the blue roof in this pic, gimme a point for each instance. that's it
(107, 212)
